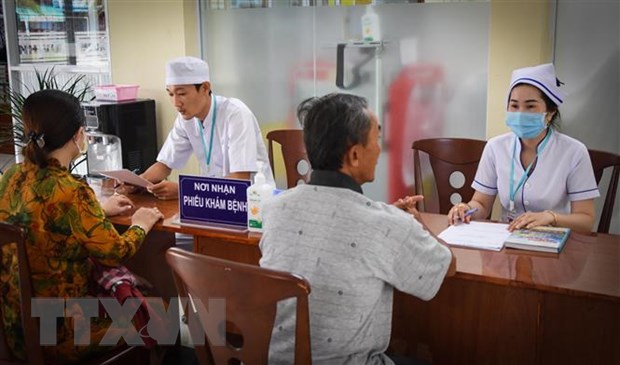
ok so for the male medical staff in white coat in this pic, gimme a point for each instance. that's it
(222, 132)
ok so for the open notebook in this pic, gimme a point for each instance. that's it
(480, 235)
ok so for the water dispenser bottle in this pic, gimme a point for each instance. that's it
(104, 152)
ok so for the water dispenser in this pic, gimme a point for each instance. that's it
(128, 123)
(104, 152)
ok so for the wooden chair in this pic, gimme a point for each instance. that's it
(600, 161)
(13, 234)
(294, 154)
(446, 157)
(251, 294)
(121, 355)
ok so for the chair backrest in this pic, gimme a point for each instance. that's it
(12, 234)
(251, 294)
(600, 161)
(294, 155)
(447, 156)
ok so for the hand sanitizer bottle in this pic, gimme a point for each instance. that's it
(371, 29)
(258, 193)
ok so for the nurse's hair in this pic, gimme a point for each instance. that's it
(551, 106)
(198, 86)
(332, 124)
(51, 118)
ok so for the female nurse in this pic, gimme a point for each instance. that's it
(542, 177)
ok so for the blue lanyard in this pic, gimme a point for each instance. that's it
(202, 136)
(513, 190)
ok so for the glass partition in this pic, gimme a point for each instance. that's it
(425, 78)
(58, 40)
(587, 59)
(244, 4)
(61, 32)
(69, 36)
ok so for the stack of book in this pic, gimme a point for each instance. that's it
(495, 236)
(545, 239)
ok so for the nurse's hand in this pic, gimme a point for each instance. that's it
(457, 214)
(530, 220)
(164, 190)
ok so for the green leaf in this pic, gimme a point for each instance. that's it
(13, 102)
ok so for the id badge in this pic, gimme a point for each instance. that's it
(512, 214)
(206, 170)
(210, 172)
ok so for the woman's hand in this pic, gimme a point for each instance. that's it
(530, 220)
(164, 190)
(146, 218)
(408, 204)
(457, 212)
(116, 204)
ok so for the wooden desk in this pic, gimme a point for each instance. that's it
(231, 245)
(150, 263)
(519, 307)
(507, 307)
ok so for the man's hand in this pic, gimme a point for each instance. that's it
(164, 190)
(408, 204)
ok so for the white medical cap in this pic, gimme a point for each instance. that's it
(542, 77)
(187, 71)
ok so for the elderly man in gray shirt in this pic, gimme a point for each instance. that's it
(354, 251)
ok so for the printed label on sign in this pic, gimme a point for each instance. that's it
(213, 201)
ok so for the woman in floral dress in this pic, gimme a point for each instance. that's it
(65, 224)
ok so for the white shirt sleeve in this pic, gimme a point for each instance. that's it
(581, 184)
(422, 264)
(177, 148)
(242, 130)
(485, 180)
(409, 257)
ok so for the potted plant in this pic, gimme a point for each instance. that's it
(14, 102)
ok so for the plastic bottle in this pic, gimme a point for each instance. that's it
(258, 193)
(371, 29)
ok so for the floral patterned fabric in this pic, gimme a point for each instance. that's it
(64, 225)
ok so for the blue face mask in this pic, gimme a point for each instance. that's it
(526, 125)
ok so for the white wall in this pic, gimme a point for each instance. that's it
(144, 35)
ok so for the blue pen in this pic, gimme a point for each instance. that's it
(470, 212)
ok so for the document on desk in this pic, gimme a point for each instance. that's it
(127, 177)
(480, 235)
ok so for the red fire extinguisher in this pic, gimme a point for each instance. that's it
(415, 112)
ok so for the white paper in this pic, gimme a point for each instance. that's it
(127, 177)
(481, 235)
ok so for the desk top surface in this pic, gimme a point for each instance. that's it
(588, 265)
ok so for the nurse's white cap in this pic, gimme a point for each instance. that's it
(542, 77)
(187, 71)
